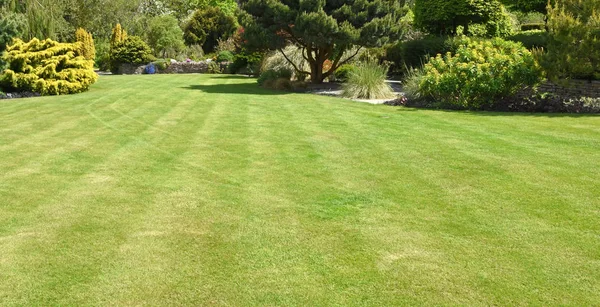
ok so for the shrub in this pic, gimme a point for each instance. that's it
(531, 39)
(214, 68)
(103, 55)
(88, 49)
(133, 50)
(194, 52)
(367, 81)
(273, 74)
(481, 72)
(246, 62)
(11, 25)
(415, 53)
(533, 26)
(225, 56)
(442, 17)
(207, 26)
(47, 67)
(343, 72)
(164, 34)
(118, 35)
(573, 49)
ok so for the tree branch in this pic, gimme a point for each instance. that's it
(337, 62)
(292, 63)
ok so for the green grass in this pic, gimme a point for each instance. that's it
(207, 190)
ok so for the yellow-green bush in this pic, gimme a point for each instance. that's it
(476, 76)
(88, 49)
(47, 67)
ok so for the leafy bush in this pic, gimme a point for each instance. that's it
(214, 68)
(133, 50)
(343, 72)
(47, 67)
(194, 52)
(207, 26)
(481, 72)
(164, 34)
(88, 49)
(533, 26)
(103, 55)
(11, 25)
(531, 39)
(246, 62)
(367, 81)
(442, 17)
(225, 56)
(273, 74)
(573, 49)
(415, 53)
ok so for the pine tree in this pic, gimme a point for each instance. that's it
(324, 30)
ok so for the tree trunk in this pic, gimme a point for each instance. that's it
(316, 73)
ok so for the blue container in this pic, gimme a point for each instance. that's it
(150, 69)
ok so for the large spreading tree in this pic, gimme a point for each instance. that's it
(324, 30)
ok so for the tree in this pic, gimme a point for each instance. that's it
(324, 30)
(527, 6)
(87, 48)
(164, 33)
(207, 26)
(442, 17)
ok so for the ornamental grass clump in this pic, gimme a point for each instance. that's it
(367, 81)
(47, 67)
(479, 74)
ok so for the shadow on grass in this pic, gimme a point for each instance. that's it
(234, 88)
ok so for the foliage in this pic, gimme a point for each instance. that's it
(246, 62)
(103, 55)
(343, 72)
(228, 44)
(531, 39)
(225, 56)
(574, 40)
(367, 81)
(118, 35)
(480, 72)
(214, 68)
(528, 5)
(286, 58)
(533, 26)
(165, 34)
(207, 26)
(47, 67)
(12, 25)
(88, 49)
(443, 17)
(416, 53)
(323, 30)
(271, 75)
(133, 50)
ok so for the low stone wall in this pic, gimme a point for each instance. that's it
(172, 68)
(185, 68)
(128, 69)
(574, 89)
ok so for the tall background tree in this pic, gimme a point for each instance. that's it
(324, 30)
(443, 17)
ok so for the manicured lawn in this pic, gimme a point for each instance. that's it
(200, 190)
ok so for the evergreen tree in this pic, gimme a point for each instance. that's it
(324, 30)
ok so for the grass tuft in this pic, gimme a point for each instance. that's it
(367, 81)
